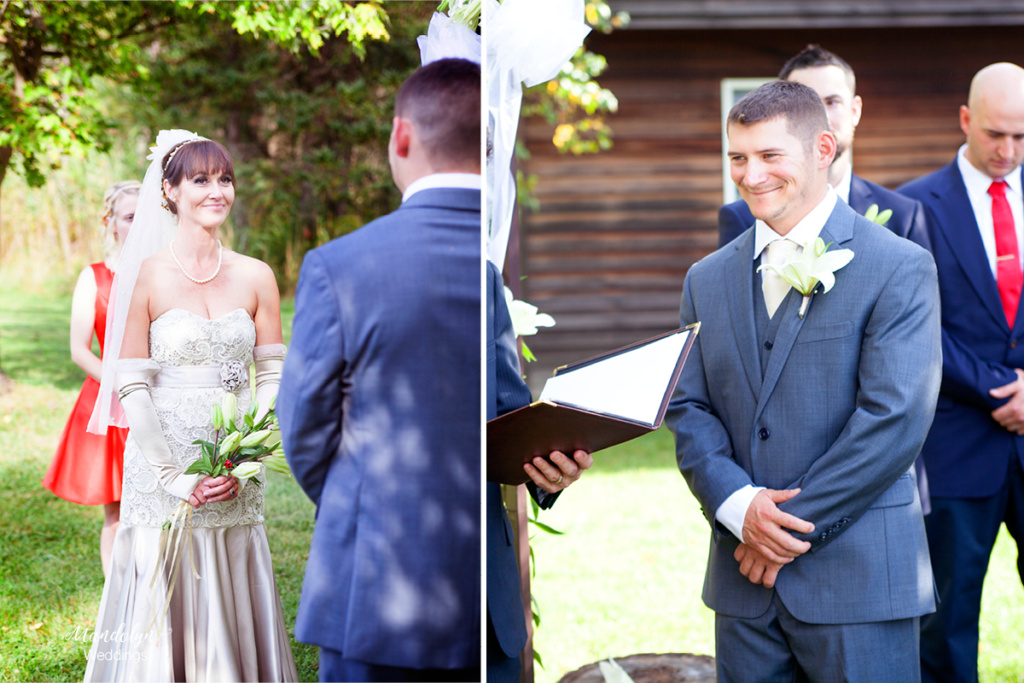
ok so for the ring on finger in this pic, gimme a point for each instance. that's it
(559, 481)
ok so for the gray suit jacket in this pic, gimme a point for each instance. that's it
(841, 411)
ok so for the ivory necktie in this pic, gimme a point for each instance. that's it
(773, 286)
(1008, 271)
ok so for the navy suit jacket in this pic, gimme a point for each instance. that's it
(907, 220)
(506, 391)
(840, 410)
(967, 452)
(380, 414)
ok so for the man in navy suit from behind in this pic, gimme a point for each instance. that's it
(380, 407)
(975, 447)
(834, 81)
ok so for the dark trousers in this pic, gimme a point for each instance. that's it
(779, 648)
(961, 533)
(335, 667)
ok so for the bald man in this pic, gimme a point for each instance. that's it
(974, 450)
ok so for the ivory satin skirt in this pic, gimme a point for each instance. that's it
(226, 625)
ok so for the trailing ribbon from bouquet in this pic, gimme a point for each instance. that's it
(528, 43)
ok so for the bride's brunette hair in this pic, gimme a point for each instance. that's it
(196, 157)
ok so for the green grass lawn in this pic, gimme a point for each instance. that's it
(626, 577)
(50, 573)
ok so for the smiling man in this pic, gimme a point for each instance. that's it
(975, 449)
(798, 434)
(834, 81)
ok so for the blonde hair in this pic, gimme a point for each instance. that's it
(111, 197)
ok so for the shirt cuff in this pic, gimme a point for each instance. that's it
(733, 510)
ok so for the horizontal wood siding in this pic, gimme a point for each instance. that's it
(608, 250)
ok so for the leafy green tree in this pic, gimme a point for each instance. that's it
(51, 54)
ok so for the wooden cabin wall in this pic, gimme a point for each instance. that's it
(608, 250)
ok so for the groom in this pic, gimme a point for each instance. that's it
(380, 407)
(798, 434)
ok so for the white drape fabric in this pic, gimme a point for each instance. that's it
(528, 42)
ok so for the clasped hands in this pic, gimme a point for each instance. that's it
(1011, 414)
(558, 476)
(767, 545)
(213, 490)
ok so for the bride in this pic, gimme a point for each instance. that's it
(189, 318)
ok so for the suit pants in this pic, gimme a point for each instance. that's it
(335, 667)
(778, 648)
(961, 534)
(500, 667)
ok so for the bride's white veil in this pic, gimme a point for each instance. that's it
(152, 230)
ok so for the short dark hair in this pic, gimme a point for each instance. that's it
(190, 159)
(799, 105)
(815, 55)
(442, 100)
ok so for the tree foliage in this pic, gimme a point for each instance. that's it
(51, 54)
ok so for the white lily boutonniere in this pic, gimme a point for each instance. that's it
(880, 217)
(816, 264)
(525, 320)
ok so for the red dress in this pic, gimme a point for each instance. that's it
(87, 467)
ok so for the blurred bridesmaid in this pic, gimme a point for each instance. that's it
(87, 467)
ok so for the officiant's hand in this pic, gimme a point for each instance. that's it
(1011, 414)
(765, 527)
(214, 489)
(565, 470)
(756, 566)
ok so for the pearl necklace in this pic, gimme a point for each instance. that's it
(220, 255)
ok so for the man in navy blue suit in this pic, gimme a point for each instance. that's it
(506, 391)
(973, 453)
(380, 407)
(834, 81)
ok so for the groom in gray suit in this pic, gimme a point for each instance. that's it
(797, 429)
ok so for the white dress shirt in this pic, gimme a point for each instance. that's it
(843, 186)
(977, 184)
(461, 181)
(733, 510)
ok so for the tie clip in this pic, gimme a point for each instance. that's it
(1007, 257)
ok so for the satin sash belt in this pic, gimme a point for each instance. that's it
(199, 376)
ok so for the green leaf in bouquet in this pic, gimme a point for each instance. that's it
(197, 467)
(249, 421)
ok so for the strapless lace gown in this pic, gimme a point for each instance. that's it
(227, 625)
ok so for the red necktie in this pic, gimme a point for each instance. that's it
(1009, 277)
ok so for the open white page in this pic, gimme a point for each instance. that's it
(629, 385)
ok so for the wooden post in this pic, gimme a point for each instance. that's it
(516, 497)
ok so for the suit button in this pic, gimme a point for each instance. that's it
(1013, 343)
(823, 537)
(768, 345)
(763, 434)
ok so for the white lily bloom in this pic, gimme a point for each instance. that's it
(525, 318)
(815, 264)
(246, 470)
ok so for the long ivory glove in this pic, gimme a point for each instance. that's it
(269, 362)
(133, 382)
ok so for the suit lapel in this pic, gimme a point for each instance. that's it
(959, 228)
(739, 283)
(838, 230)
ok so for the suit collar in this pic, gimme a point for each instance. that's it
(739, 282)
(444, 198)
